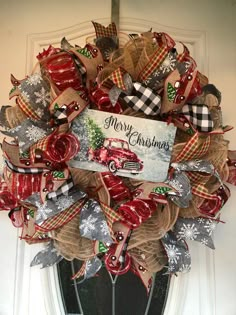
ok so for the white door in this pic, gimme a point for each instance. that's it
(208, 28)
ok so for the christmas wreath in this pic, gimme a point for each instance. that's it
(101, 217)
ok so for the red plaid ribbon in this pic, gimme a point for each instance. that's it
(111, 216)
(196, 178)
(181, 57)
(41, 145)
(102, 31)
(201, 191)
(155, 61)
(117, 78)
(24, 106)
(61, 219)
(194, 148)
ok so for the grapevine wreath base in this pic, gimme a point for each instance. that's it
(100, 217)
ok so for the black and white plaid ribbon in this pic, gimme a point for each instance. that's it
(144, 99)
(199, 116)
(60, 115)
(21, 170)
(63, 190)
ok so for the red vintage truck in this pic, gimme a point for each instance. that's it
(116, 155)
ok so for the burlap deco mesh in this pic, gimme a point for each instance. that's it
(216, 117)
(152, 229)
(174, 213)
(217, 157)
(151, 254)
(81, 177)
(14, 116)
(132, 57)
(70, 243)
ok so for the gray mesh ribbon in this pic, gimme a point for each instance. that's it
(203, 166)
(196, 229)
(51, 207)
(36, 92)
(92, 267)
(181, 183)
(47, 257)
(115, 92)
(93, 223)
(179, 259)
(29, 132)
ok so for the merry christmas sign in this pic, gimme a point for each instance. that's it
(124, 145)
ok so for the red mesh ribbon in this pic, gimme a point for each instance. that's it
(115, 186)
(57, 148)
(62, 147)
(7, 200)
(137, 211)
(102, 101)
(21, 186)
(62, 71)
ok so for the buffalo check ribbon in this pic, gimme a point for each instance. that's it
(144, 99)
(199, 116)
(21, 170)
(63, 190)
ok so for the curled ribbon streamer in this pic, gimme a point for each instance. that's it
(62, 147)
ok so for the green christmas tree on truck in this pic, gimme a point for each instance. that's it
(95, 135)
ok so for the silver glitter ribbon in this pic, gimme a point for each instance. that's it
(47, 257)
(181, 183)
(93, 224)
(179, 259)
(196, 229)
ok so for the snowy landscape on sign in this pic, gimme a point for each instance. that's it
(149, 141)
